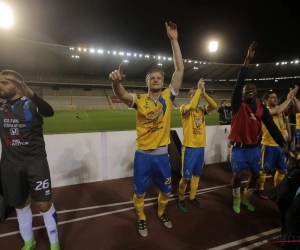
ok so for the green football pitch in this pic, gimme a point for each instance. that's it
(64, 121)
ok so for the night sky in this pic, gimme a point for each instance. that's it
(138, 26)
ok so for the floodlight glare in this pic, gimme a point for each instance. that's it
(6, 16)
(213, 46)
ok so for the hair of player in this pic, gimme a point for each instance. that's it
(15, 74)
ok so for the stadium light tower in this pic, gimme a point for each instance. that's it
(6, 16)
(213, 47)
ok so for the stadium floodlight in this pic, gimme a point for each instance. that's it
(296, 61)
(257, 65)
(6, 16)
(213, 46)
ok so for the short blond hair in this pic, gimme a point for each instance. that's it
(154, 70)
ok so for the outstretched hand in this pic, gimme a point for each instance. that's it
(251, 50)
(117, 75)
(292, 93)
(171, 30)
(22, 88)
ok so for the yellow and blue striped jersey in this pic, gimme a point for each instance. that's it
(280, 122)
(193, 125)
(153, 120)
(298, 121)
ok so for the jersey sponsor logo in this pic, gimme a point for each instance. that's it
(14, 131)
(152, 115)
(18, 142)
(197, 131)
(13, 123)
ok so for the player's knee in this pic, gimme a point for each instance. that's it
(140, 196)
(44, 206)
(237, 176)
(165, 194)
(185, 180)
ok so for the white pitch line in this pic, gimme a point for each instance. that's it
(85, 113)
(201, 191)
(248, 239)
(94, 216)
(255, 245)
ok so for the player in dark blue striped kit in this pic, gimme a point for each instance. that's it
(24, 167)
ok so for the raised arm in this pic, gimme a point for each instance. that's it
(177, 57)
(211, 102)
(273, 130)
(296, 103)
(195, 99)
(280, 108)
(116, 77)
(250, 54)
(288, 129)
(43, 107)
(236, 98)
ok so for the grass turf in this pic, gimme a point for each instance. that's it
(64, 121)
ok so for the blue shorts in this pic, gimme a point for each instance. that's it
(271, 157)
(192, 161)
(245, 159)
(155, 168)
(297, 134)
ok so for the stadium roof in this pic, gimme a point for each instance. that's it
(38, 58)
